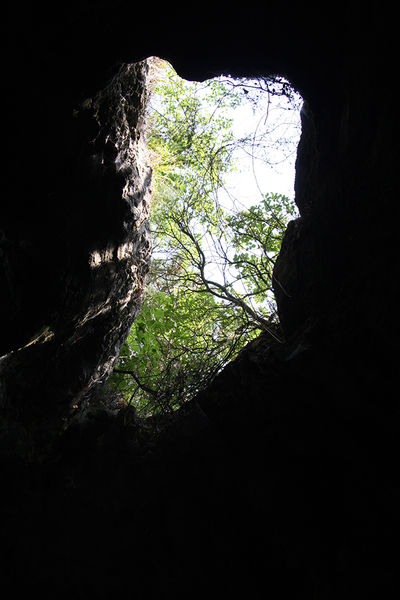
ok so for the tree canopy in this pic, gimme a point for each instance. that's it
(209, 290)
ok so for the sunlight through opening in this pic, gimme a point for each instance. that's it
(223, 157)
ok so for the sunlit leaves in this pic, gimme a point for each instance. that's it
(177, 344)
(190, 133)
(209, 290)
(255, 235)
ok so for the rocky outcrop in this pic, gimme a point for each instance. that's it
(95, 259)
(335, 270)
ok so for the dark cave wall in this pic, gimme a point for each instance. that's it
(74, 263)
(337, 261)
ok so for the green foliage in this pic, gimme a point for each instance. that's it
(177, 344)
(190, 134)
(209, 290)
(256, 236)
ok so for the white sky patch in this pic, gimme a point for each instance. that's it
(266, 166)
(275, 124)
(265, 163)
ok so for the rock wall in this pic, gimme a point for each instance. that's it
(337, 261)
(86, 267)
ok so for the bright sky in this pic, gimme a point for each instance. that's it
(277, 121)
(265, 166)
(276, 173)
(277, 124)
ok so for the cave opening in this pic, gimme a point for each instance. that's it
(222, 153)
(281, 480)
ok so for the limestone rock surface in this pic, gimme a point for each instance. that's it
(93, 258)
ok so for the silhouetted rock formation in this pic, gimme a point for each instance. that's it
(94, 258)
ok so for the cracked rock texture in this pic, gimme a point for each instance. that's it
(94, 256)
